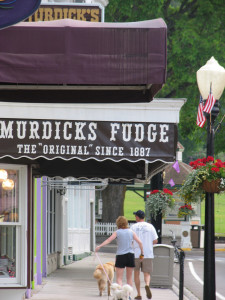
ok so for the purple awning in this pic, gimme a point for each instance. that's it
(12, 12)
(69, 52)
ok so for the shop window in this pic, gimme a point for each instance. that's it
(13, 226)
(8, 251)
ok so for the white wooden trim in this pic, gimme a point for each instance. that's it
(159, 110)
(21, 230)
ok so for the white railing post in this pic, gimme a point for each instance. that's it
(105, 228)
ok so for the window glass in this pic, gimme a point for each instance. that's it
(7, 252)
(9, 199)
(13, 205)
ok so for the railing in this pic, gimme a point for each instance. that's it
(105, 228)
(109, 228)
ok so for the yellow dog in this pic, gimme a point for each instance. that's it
(101, 277)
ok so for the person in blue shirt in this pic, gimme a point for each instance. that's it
(125, 252)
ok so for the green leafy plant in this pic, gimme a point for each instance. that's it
(159, 201)
(185, 210)
(205, 169)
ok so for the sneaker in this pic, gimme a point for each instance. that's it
(148, 292)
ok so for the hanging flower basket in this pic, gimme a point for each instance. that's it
(159, 201)
(212, 186)
(208, 175)
(185, 210)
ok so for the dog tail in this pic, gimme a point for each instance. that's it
(97, 274)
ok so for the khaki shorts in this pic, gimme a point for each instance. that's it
(145, 265)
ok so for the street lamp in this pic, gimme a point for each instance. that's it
(210, 78)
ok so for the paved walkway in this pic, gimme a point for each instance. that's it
(75, 281)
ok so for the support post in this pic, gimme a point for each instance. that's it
(181, 283)
(157, 184)
(209, 291)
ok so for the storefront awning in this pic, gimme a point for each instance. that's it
(91, 141)
(77, 61)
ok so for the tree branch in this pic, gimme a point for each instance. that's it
(187, 7)
(165, 8)
(170, 94)
(183, 5)
(192, 13)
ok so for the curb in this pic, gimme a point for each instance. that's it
(187, 294)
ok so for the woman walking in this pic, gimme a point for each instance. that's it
(124, 253)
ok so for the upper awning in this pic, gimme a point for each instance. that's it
(89, 140)
(82, 61)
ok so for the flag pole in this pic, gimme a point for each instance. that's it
(210, 123)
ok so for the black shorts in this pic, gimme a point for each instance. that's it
(125, 260)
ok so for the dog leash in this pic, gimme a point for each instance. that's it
(103, 268)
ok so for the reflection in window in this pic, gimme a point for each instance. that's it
(7, 251)
(9, 203)
(9, 212)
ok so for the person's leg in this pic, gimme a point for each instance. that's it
(137, 282)
(129, 272)
(119, 276)
(147, 270)
(147, 285)
(147, 278)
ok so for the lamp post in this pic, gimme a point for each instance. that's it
(210, 77)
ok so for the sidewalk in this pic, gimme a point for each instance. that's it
(219, 246)
(75, 281)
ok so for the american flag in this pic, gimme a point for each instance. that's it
(200, 116)
(209, 103)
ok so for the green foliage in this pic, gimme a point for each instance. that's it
(191, 190)
(159, 202)
(204, 169)
(131, 11)
(196, 32)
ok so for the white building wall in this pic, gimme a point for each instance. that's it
(79, 218)
(79, 240)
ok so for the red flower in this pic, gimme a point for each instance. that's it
(154, 192)
(204, 160)
(197, 163)
(210, 158)
(192, 163)
(186, 206)
(215, 169)
(166, 191)
(201, 164)
(218, 164)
